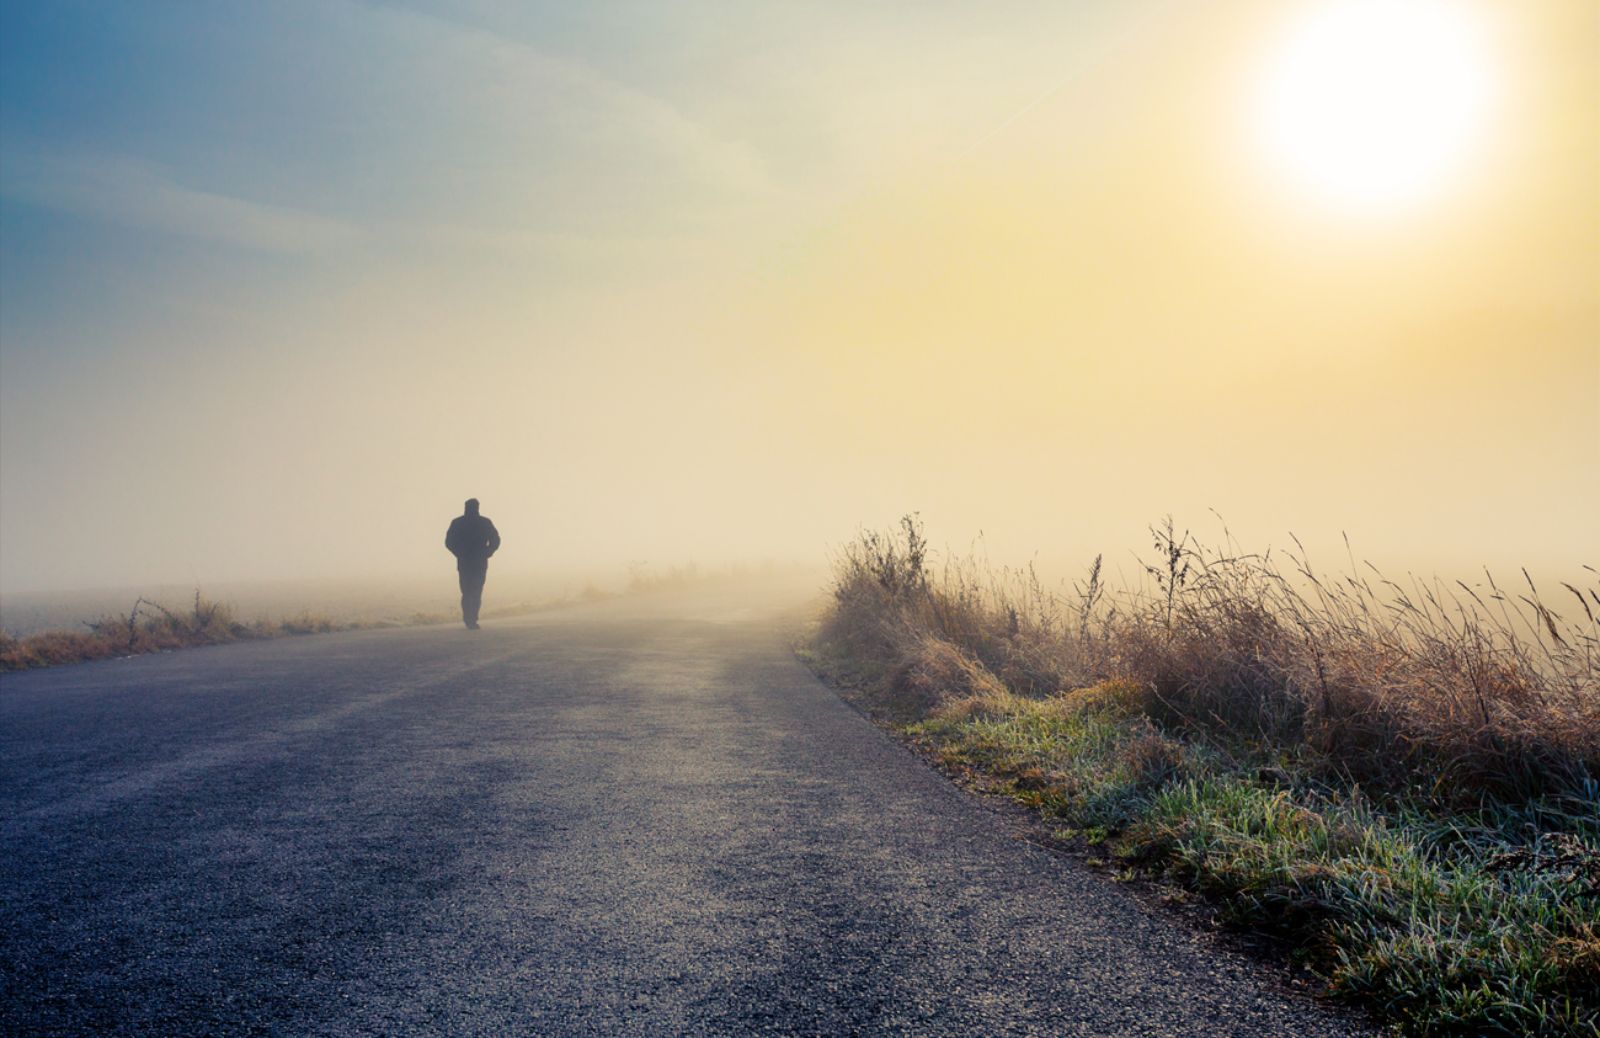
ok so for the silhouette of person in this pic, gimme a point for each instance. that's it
(472, 538)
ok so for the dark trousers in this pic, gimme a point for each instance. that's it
(472, 578)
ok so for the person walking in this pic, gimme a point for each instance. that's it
(472, 538)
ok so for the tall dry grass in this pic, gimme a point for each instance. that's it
(1446, 693)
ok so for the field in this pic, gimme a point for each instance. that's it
(1399, 780)
(43, 629)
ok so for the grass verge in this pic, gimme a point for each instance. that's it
(1292, 758)
(152, 627)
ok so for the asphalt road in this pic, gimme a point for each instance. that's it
(642, 817)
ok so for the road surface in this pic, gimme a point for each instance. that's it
(639, 817)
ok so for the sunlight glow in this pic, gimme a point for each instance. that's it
(1375, 104)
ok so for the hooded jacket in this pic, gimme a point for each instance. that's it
(472, 538)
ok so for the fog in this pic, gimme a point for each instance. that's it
(670, 283)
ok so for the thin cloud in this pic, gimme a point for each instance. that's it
(126, 191)
(515, 72)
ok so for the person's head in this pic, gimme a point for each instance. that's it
(472, 506)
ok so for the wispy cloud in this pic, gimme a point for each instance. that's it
(488, 143)
(516, 76)
(133, 193)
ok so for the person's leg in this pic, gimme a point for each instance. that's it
(472, 594)
(466, 579)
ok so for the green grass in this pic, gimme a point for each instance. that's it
(1411, 913)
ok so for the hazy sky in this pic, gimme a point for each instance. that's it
(281, 284)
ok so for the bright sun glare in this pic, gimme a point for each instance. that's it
(1376, 104)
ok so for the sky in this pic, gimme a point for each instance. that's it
(670, 281)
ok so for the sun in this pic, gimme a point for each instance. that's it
(1376, 105)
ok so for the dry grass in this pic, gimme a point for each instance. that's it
(151, 627)
(1400, 780)
(1448, 692)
